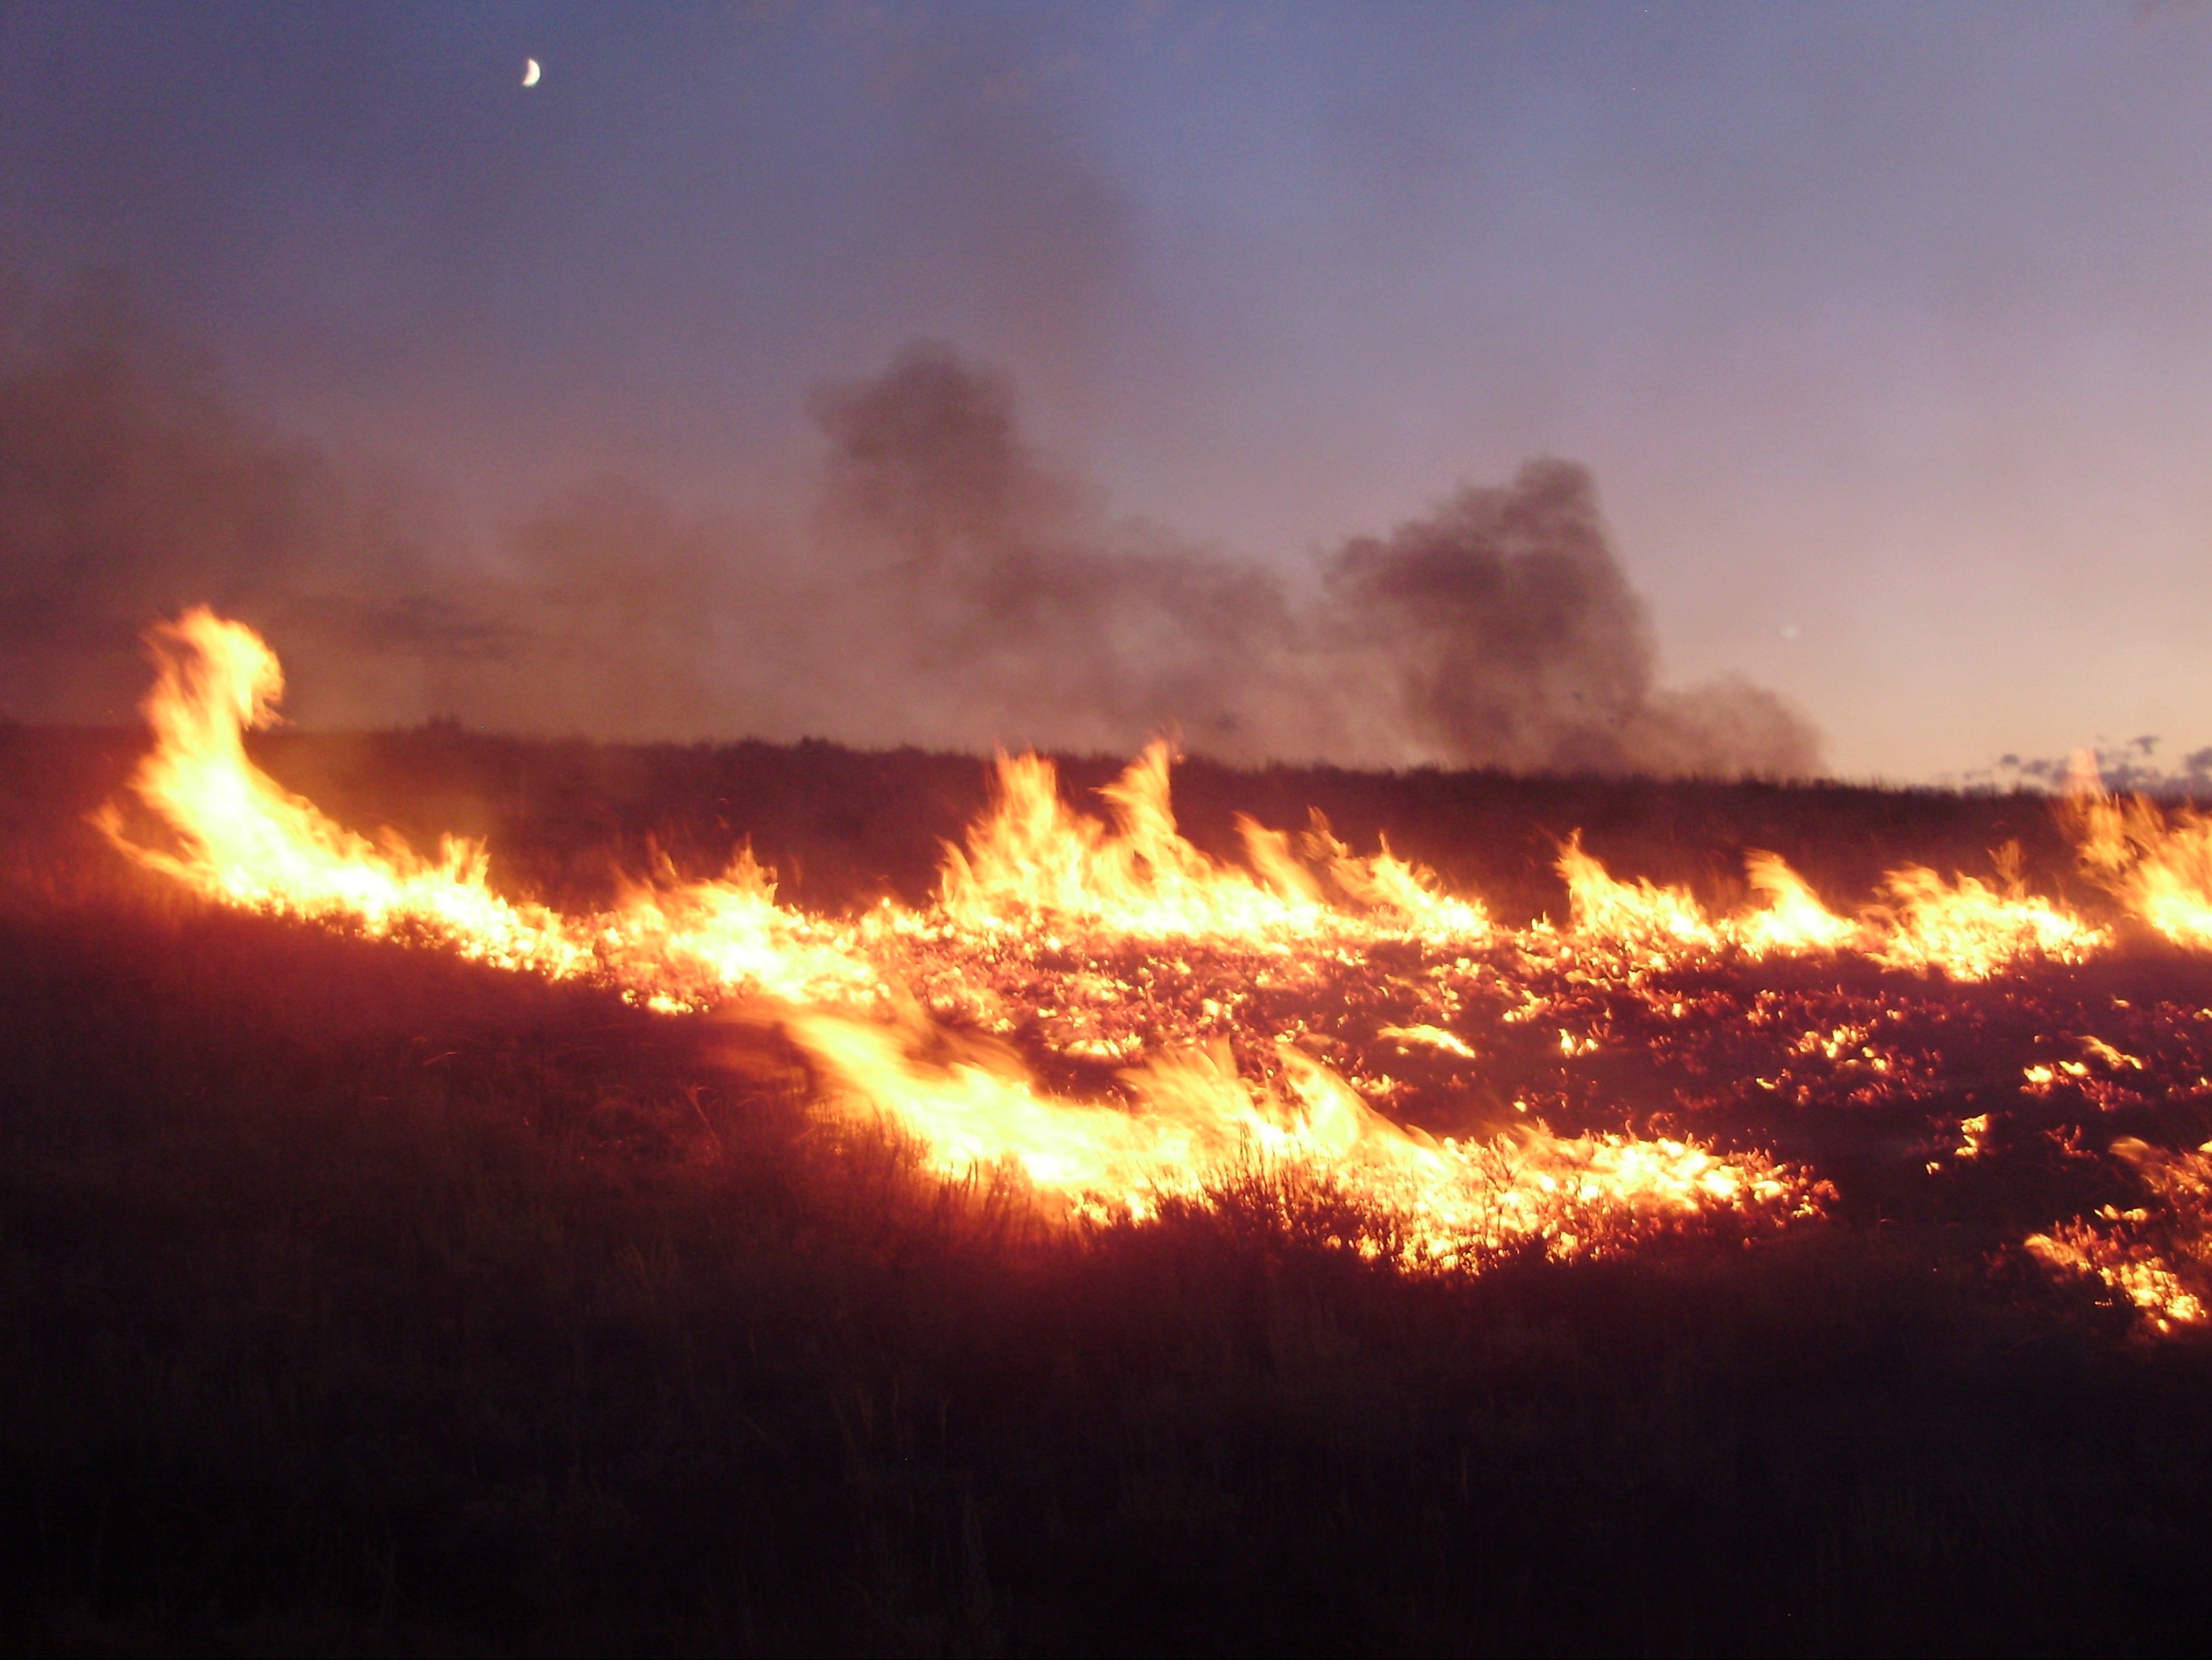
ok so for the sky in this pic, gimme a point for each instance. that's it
(1884, 333)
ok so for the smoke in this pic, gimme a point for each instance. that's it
(996, 601)
(125, 487)
(1497, 630)
(947, 586)
(130, 487)
(1501, 630)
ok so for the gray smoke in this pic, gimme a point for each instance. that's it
(994, 599)
(1497, 630)
(126, 489)
(948, 587)
(1501, 630)
(130, 487)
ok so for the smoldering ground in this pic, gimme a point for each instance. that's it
(945, 585)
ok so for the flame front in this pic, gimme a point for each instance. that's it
(1031, 872)
(1031, 858)
(1970, 930)
(244, 840)
(1182, 1003)
(1657, 923)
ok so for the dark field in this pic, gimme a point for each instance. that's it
(357, 1299)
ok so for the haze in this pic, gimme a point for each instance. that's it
(1884, 333)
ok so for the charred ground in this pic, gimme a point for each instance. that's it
(362, 1298)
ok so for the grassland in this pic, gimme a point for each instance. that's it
(357, 1299)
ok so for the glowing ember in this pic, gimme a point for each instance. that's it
(2136, 1252)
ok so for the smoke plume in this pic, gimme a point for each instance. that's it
(1497, 630)
(947, 586)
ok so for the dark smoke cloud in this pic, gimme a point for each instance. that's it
(949, 587)
(1497, 630)
(982, 584)
(1506, 628)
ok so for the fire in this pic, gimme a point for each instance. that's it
(2161, 869)
(1031, 857)
(1657, 923)
(1970, 930)
(1192, 1118)
(1384, 883)
(244, 840)
(1124, 1023)
(2149, 1255)
(1035, 886)
(1793, 919)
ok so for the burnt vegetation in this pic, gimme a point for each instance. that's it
(359, 1297)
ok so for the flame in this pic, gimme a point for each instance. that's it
(1030, 871)
(1658, 923)
(1435, 1038)
(688, 945)
(2158, 1258)
(1665, 924)
(2135, 1272)
(244, 840)
(1194, 1122)
(1031, 856)
(1967, 930)
(1970, 930)
(1383, 883)
(1793, 918)
(1121, 944)
(2160, 868)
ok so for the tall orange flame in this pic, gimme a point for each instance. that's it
(2161, 868)
(1031, 856)
(244, 839)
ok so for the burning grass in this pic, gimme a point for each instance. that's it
(369, 1290)
(366, 1297)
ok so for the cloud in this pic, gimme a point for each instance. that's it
(2131, 768)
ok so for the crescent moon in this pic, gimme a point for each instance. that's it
(530, 71)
